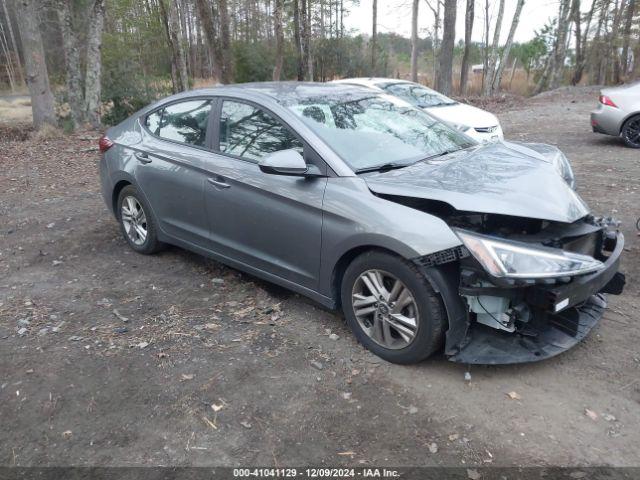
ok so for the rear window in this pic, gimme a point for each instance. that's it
(184, 122)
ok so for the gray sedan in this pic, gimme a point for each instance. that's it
(359, 201)
(618, 113)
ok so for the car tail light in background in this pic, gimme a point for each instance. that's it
(607, 101)
(104, 143)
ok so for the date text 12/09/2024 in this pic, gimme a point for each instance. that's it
(315, 473)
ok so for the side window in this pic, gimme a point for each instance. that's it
(251, 133)
(152, 122)
(186, 122)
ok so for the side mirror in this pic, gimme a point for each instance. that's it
(286, 162)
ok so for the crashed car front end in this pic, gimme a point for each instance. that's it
(527, 289)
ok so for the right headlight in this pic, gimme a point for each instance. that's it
(508, 259)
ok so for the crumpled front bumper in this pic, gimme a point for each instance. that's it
(569, 312)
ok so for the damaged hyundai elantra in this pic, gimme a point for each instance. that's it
(424, 238)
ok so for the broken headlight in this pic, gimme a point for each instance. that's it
(502, 258)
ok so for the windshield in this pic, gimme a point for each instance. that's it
(377, 130)
(418, 95)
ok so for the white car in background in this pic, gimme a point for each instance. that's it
(474, 122)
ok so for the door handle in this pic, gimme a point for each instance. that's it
(142, 157)
(220, 183)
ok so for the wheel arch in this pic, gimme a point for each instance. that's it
(345, 260)
(117, 188)
(626, 119)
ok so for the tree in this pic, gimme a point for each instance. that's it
(277, 14)
(374, 36)
(493, 55)
(37, 77)
(298, 40)
(626, 38)
(225, 42)
(468, 31)
(445, 58)
(435, 44)
(205, 14)
(414, 40)
(93, 76)
(178, 63)
(495, 84)
(560, 49)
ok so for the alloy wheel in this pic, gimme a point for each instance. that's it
(134, 220)
(385, 309)
(632, 132)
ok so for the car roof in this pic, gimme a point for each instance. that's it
(284, 92)
(370, 81)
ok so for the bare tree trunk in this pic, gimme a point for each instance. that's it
(11, 74)
(485, 57)
(298, 39)
(225, 42)
(495, 84)
(493, 56)
(93, 75)
(13, 42)
(414, 41)
(170, 12)
(560, 50)
(307, 38)
(374, 36)
(445, 59)
(615, 56)
(206, 16)
(42, 104)
(468, 31)
(277, 69)
(436, 35)
(72, 62)
(626, 39)
(575, 18)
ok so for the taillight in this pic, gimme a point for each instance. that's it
(104, 143)
(607, 101)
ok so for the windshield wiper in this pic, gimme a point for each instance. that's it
(385, 167)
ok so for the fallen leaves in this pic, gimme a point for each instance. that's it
(591, 414)
(514, 396)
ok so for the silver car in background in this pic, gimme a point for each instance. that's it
(356, 199)
(618, 113)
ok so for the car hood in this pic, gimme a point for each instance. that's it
(464, 114)
(505, 178)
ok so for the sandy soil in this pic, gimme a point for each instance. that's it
(177, 360)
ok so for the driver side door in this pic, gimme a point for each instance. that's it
(269, 222)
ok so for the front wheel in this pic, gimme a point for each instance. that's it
(391, 308)
(631, 132)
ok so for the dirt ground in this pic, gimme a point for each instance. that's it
(112, 358)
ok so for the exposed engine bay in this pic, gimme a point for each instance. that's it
(535, 316)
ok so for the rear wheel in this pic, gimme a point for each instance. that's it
(631, 132)
(137, 222)
(391, 308)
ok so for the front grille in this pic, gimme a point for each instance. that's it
(443, 256)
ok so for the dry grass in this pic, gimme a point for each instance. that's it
(47, 132)
(17, 110)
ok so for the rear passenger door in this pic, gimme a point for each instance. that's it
(269, 222)
(169, 167)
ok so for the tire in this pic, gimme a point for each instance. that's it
(427, 308)
(630, 132)
(150, 244)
